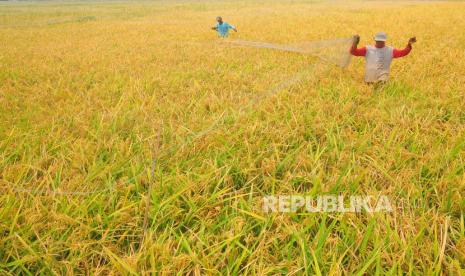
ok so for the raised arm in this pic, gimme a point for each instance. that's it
(397, 53)
(232, 27)
(358, 52)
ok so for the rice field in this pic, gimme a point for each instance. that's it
(135, 141)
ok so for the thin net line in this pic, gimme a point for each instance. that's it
(55, 193)
(334, 51)
(288, 82)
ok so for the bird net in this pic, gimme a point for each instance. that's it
(334, 51)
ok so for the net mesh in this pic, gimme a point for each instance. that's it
(334, 51)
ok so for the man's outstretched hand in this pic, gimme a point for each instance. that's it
(356, 39)
(412, 40)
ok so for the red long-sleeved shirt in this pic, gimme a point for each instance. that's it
(396, 53)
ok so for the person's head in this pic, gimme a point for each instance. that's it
(380, 39)
(219, 19)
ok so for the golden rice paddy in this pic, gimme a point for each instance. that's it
(132, 140)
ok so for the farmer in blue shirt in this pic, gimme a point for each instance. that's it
(223, 27)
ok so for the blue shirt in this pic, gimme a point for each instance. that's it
(223, 29)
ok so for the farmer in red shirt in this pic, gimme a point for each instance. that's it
(379, 57)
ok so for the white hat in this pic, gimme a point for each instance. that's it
(381, 36)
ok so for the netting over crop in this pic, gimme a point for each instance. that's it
(334, 51)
